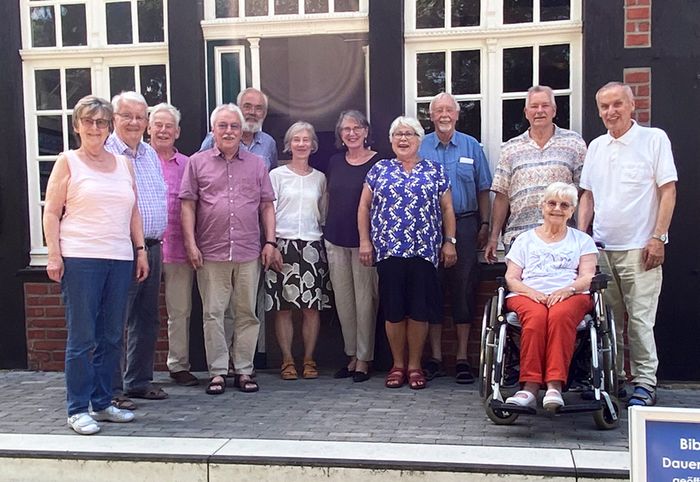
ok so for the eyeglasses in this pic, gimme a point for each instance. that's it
(223, 127)
(407, 135)
(354, 130)
(252, 107)
(160, 125)
(131, 117)
(99, 123)
(553, 204)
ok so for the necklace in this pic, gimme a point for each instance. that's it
(551, 236)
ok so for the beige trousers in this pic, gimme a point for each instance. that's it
(636, 292)
(179, 278)
(356, 299)
(222, 283)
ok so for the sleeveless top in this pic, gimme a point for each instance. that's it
(96, 222)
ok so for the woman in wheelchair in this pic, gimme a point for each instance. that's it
(549, 271)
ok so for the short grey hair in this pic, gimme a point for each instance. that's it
(169, 108)
(252, 90)
(615, 84)
(294, 129)
(358, 117)
(440, 96)
(562, 190)
(229, 107)
(91, 105)
(128, 96)
(540, 88)
(408, 122)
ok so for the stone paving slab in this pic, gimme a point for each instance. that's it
(324, 409)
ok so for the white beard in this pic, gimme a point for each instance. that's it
(252, 126)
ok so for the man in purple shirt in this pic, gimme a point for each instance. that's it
(225, 191)
(164, 129)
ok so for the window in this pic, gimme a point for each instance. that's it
(487, 53)
(115, 46)
(262, 8)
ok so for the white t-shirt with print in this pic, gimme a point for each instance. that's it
(548, 267)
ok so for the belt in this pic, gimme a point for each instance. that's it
(150, 242)
(466, 215)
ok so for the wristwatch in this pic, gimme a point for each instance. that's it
(661, 237)
(142, 247)
(450, 239)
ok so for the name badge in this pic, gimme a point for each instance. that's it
(466, 160)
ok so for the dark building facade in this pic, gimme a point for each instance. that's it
(314, 59)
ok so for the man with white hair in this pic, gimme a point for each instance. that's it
(629, 181)
(143, 317)
(164, 129)
(225, 191)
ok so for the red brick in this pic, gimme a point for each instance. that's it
(59, 355)
(643, 2)
(48, 345)
(32, 312)
(46, 323)
(39, 356)
(643, 117)
(47, 300)
(56, 311)
(638, 13)
(634, 76)
(55, 288)
(58, 334)
(643, 26)
(630, 2)
(630, 27)
(642, 104)
(36, 334)
(637, 40)
(643, 90)
(53, 366)
(36, 288)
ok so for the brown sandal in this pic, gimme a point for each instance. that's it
(416, 379)
(395, 378)
(289, 371)
(310, 369)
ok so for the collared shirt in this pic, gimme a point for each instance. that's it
(525, 170)
(151, 190)
(228, 196)
(263, 145)
(173, 241)
(466, 167)
(405, 214)
(623, 175)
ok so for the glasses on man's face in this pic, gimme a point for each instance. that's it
(223, 126)
(258, 109)
(354, 130)
(131, 117)
(562, 204)
(99, 123)
(406, 135)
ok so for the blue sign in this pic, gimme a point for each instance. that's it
(673, 451)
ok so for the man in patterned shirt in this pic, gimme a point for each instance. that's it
(530, 162)
(143, 317)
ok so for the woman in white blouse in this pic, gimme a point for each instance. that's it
(303, 282)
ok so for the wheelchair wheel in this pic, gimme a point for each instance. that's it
(486, 352)
(499, 417)
(603, 418)
(608, 357)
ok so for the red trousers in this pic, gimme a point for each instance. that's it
(548, 336)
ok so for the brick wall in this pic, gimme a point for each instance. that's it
(46, 328)
(639, 79)
(637, 23)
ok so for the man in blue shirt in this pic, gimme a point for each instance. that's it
(470, 177)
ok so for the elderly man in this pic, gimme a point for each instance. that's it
(470, 178)
(530, 162)
(143, 317)
(253, 104)
(225, 191)
(164, 130)
(629, 181)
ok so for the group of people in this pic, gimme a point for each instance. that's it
(372, 234)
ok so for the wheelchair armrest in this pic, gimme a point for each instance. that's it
(501, 282)
(599, 282)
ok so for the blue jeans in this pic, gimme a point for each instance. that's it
(142, 326)
(95, 293)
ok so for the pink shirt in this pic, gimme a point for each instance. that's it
(96, 222)
(173, 241)
(228, 196)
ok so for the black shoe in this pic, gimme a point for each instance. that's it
(433, 368)
(463, 372)
(184, 378)
(344, 373)
(359, 377)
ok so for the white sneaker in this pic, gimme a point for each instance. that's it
(552, 400)
(83, 424)
(522, 398)
(112, 414)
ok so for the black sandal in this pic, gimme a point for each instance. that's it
(433, 368)
(246, 384)
(463, 373)
(216, 388)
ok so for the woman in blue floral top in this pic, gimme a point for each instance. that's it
(405, 208)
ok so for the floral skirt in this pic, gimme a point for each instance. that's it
(303, 282)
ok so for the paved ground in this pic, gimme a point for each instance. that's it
(322, 409)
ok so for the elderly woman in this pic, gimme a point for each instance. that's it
(354, 285)
(93, 228)
(549, 272)
(408, 204)
(302, 281)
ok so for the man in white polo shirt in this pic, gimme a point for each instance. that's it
(629, 181)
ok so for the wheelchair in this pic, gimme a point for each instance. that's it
(594, 360)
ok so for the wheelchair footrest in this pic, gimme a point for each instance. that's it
(590, 406)
(512, 408)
